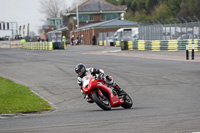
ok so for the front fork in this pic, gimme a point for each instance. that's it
(100, 93)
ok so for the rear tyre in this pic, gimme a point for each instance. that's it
(127, 101)
(102, 102)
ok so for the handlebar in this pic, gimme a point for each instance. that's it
(98, 76)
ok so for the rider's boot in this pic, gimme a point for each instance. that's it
(118, 89)
(111, 82)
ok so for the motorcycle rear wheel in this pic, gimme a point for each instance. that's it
(102, 102)
(127, 101)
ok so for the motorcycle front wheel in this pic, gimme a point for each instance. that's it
(127, 101)
(103, 102)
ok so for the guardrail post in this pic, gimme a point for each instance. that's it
(193, 49)
(187, 52)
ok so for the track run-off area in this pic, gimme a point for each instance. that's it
(164, 87)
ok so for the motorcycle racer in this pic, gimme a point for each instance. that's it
(84, 73)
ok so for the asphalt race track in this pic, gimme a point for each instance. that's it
(165, 91)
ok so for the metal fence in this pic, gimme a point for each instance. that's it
(174, 29)
(105, 38)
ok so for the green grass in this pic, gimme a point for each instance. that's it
(16, 98)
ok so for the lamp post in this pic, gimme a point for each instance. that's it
(77, 16)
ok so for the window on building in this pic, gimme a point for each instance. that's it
(85, 17)
(91, 17)
(103, 17)
(58, 22)
(115, 15)
(109, 16)
(52, 22)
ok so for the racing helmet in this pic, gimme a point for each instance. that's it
(80, 69)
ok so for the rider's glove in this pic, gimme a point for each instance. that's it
(101, 75)
(79, 81)
(93, 71)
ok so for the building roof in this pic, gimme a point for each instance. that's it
(58, 30)
(109, 23)
(97, 6)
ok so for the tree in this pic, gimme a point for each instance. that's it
(141, 16)
(114, 2)
(163, 12)
(184, 11)
(123, 2)
(140, 10)
(174, 6)
(52, 8)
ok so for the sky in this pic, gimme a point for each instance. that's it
(23, 12)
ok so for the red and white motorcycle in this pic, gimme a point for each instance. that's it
(103, 95)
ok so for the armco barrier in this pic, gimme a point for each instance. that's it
(15, 44)
(157, 45)
(10, 44)
(4, 44)
(43, 45)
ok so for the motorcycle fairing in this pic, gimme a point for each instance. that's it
(94, 84)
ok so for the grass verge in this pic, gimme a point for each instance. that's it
(16, 98)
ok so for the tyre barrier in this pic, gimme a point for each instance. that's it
(43, 45)
(157, 45)
(117, 43)
(101, 43)
(107, 43)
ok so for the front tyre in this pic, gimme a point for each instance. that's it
(103, 102)
(127, 101)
